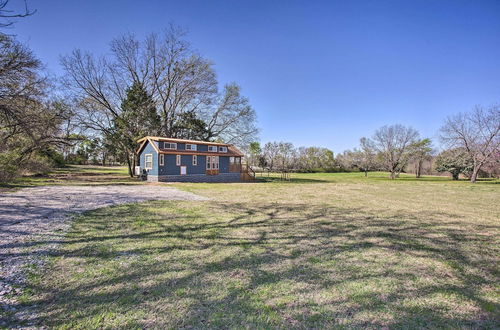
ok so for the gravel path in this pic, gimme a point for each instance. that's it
(39, 214)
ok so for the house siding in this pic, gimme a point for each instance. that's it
(170, 167)
(149, 149)
(223, 177)
(182, 146)
(223, 164)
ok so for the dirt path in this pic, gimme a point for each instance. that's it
(34, 220)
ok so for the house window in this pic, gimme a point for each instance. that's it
(148, 161)
(178, 160)
(212, 148)
(169, 145)
(162, 159)
(195, 160)
(191, 147)
(222, 149)
(212, 162)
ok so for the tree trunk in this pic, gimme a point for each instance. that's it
(366, 173)
(135, 164)
(455, 175)
(129, 165)
(418, 169)
(475, 172)
(393, 175)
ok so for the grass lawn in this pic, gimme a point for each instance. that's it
(73, 175)
(325, 250)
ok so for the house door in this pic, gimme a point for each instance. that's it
(212, 165)
(183, 170)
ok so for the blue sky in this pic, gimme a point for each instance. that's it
(321, 73)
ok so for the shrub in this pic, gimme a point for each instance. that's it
(8, 167)
(56, 159)
(454, 161)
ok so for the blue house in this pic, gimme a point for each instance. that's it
(166, 159)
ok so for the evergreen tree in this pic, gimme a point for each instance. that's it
(422, 150)
(189, 126)
(454, 161)
(137, 119)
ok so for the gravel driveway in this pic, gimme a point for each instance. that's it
(39, 214)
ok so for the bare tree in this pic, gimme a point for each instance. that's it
(178, 79)
(7, 14)
(363, 159)
(393, 143)
(29, 120)
(314, 158)
(271, 151)
(367, 155)
(347, 160)
(477, 132)
(233, 120)
(285, 155)
(492, 167)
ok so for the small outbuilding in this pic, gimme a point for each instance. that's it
(167, 159)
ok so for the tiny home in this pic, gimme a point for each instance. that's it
(167, 159)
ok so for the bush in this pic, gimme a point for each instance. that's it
(8, 168)
(54, 158)
(454, 161)
(36, 165)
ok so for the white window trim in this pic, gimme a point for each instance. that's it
(195, 160)
(223, 149)
(212, 147)
(212, 162)
(178, 160)
(192, 147)
(161, 161)
(146, 161)
(170, 143)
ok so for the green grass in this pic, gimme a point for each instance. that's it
(73, 175)
(324, 250)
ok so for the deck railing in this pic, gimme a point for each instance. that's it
(247, 172)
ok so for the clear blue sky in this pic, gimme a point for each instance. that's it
(321, 73)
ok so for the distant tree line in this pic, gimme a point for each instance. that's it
(283, 156)
(471, 140)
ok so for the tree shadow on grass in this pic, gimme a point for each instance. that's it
(223, 265)
(292, 180)
(444, 179)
